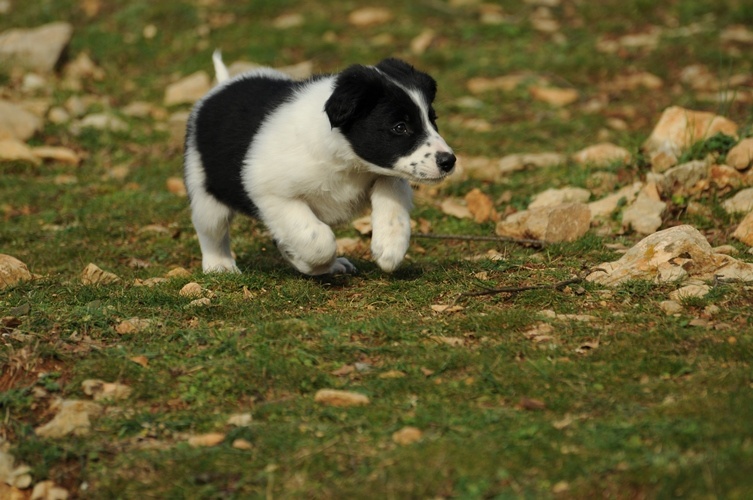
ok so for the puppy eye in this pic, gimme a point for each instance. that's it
(400, 129)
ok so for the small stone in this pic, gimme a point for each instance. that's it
(176, 186)
(202, 302)
(644, 215)
(516, 162)
(240, 420)
(12, 271)
(602, 155)
(58, 115)
(178, 272)
(607, 205)
(506, 83)
(132, 325)
(742, 202)
(744, 232)
(552, 197)
(17, 122)
(333, 397)
(407, 435)
(72, 417)
(57, 154)
(48, 490)
(741, 156)
(93, 275)
(100, 390)
(369, 16)
(103, 121)
(242, 444)
(287, 21)
(455, 208)
(565, 222)
(681, 179)
(726, 249)
(679, 128)
(670, 307)
(555, 96)
(690, 291)
(421, 43)
(480, 206)
(206, 440)
(188, 90)
(192, 289)
(37, 49)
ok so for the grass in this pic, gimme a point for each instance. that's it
(633, 404)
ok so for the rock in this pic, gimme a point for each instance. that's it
(607, 205)
(191, 290)
(741, 156)
(516, 162)
(679, 128)
(644, 215)
(407, 435)
(742, 202)
(103, 121)
(565, 222)
(188, 90)
(724, 176)
(58, 115)
(242, 444)
(37, 49)
(506, 83)
(72, 417)
(737, 33)
(455, 208)
(176, 186)
(100, 390)
(132, 325)
(15, 150)
(48, 490)
(57, 154)
(369, 16)
(12, 271)
(93, 275)
(555, 96)
(670, 307)
(82, 67)
(690, 291)
(206, 440)
(333, 397)
(671, 255)
(178, 272)
(17, 123)
(289, 20)
(480, 206)
(682, 178)
(16, 476)
(240, 419)
(552, 197)
(744, 231)
(602, 155)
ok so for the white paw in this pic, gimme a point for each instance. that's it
(388, 259)
(342, 266)
(220, 266)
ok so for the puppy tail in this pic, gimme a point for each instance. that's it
(220, 70)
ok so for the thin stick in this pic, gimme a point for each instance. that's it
(517, 289)
(470, 237)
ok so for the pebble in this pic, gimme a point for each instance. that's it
(742, 202)
(741, 156)
(603, 154)
(559, 223)
(37, 49)
(17, 122)
(552, 197)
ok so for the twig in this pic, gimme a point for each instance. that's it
(517, 289)
(470, 237)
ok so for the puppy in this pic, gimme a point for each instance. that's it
(305, 155)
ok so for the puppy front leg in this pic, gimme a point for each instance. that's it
(305, 241)
(391, 202)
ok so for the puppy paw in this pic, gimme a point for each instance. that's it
(388, 259)
(342, 266)
(220, 266)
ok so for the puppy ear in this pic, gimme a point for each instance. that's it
(401, 70)
(356, 92)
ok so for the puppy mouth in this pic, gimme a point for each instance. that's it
(430, 180)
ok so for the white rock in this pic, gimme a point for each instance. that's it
(679, 128)
(188, 90)
(602, 155)
(742, 202)
(552, 197)
(741, 156)
(565, 222)
(644, 215)
(36, 49)
(671, 255)
(607, 205)
(682, 178)
(690, 291)
(17, 123)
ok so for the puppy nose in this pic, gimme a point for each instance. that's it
(446, 161)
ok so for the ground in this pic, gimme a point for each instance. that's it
(507, 401)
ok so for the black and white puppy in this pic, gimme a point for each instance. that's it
(305, 155)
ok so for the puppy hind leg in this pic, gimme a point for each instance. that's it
(212, 221)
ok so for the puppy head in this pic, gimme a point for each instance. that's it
(385, 113)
